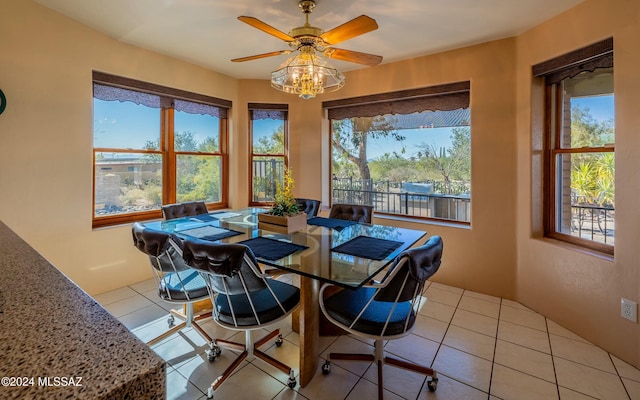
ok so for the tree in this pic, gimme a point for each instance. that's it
(592, 174)
(273, 144)
(395, 168)
(268, 168)
(203, 183)
(350, 138)
(460, 152)
(198, 176)
(586, 131)
(450, 163)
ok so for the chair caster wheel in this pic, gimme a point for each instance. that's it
(432, 383)
(171, 320)
(213, 353)
(326, 368)
(292, 383)
(279, 341)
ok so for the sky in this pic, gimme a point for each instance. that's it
(601, 107)
(414, 138)
(265, 128)
(439, 137)
(113, 128)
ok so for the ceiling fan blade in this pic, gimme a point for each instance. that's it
(353, 56)
(350, 29)
(256, 23)
(264, 55)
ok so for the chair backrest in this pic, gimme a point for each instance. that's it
(410, 270)
(179, 210)
(242, 296)
(176, 281)
(386, 309)
(230, 268)
(165, 255)
(309, 206)
(352, 212)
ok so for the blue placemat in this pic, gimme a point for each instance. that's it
(204, 217)
(214, 216)
(209, 232)
(368, 247)
(333, 223)
(271, 249)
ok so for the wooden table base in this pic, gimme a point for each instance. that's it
(325, 327)
(309, 332)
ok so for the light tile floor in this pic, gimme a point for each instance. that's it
(483, 347)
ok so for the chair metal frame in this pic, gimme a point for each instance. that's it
(159, 263)
(379, 357)
(251, 347)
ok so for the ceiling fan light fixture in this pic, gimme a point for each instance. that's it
(307, 75)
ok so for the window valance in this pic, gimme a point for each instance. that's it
(116, 88)
(434, 98)
(597, 55)
(112, 93)
(268, 111)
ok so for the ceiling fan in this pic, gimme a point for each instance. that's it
(309, 38)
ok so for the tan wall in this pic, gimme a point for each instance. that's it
(48, 82)
(481, 258)
(304, 137)
(46, 141)
(582, 291)
(487, 261)
(46, 137)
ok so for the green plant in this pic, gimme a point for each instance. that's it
(285, 203)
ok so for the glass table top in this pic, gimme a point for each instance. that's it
(318, 258)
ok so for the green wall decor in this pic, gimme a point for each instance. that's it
(3, 102)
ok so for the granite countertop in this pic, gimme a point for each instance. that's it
(52, 333)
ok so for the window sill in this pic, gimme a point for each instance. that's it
(436, 222)
(577, 248)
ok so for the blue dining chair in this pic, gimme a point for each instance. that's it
(176, 282)
(352, 212)
(186, 209)
(309, 206)
(385, 310)
(244, 299)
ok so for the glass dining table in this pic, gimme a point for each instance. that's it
(343, 253)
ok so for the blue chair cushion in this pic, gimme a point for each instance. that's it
(171, 289)
(266, 306)
(345, 305)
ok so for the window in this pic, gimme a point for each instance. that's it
(580, 147)
(268, 131)
(154, 145)
(406, 153)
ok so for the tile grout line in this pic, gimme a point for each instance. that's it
(495, 346)
(501, 303)
(619, 376)
(553, 362)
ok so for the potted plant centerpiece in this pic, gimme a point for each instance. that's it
(284, 216)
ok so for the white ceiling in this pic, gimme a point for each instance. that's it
(208, 33)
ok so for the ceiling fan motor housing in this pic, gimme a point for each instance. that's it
(307, 35)
(310, 39)
(307, 6)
